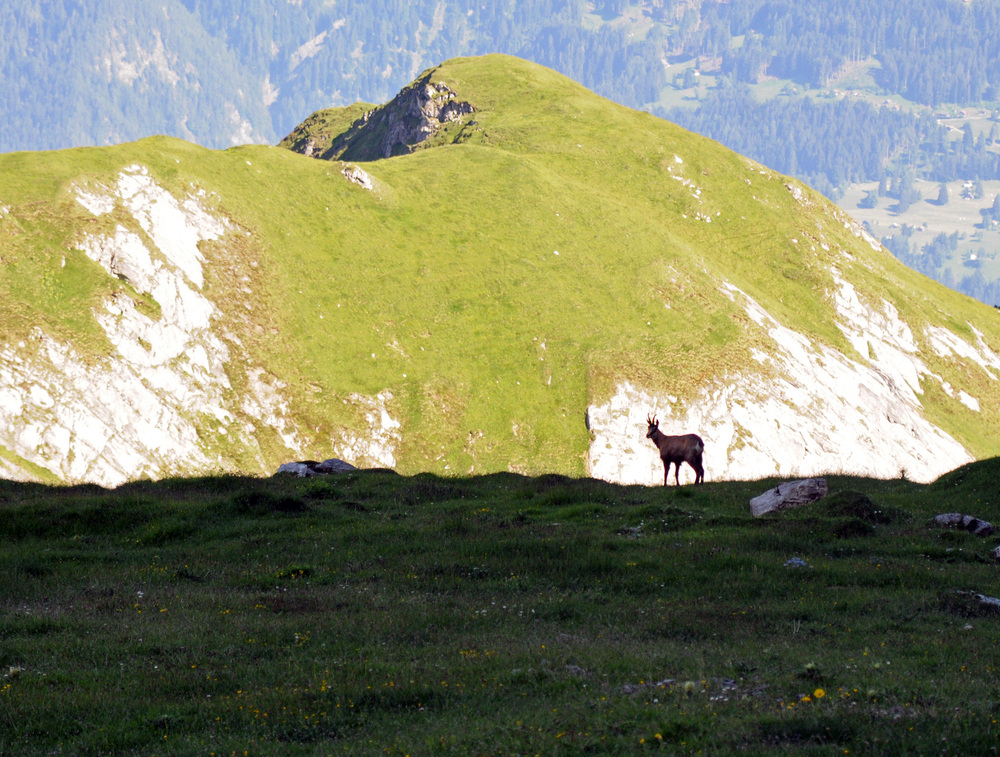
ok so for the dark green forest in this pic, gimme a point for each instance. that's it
(931, 51)
(829, 144)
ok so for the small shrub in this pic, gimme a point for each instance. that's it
(184, 574)
(856, 505)
(320, 489)
(33, 567)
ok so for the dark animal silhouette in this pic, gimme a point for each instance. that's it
(676, 450)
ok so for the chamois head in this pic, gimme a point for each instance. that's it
(653, 426)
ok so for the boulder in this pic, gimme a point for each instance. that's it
(359, 177)
(333, 465)
(788, 495)
(976, 601)
(307, 468)
(302, 470)
(967, 522)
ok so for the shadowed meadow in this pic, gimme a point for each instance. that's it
(371, 613)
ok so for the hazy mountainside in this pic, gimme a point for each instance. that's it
(852, 96)
(108, 71)
(224, 73)
(514, 291)
(842, 93)
(930, 51)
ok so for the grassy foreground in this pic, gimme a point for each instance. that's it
(377, 614)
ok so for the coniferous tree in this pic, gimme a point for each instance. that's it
(870, 200)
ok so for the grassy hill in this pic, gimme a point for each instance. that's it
(495, 284)
(370, 613)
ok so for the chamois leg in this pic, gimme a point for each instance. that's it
(699, 472)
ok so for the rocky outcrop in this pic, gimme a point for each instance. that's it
(355, 175)
(413, 116)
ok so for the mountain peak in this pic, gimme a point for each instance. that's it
(518, 301)
(419, 112)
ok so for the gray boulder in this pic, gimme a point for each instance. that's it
(307, 468)
(333, 465)
(985, 602)
(788, 495)
(966, 522)
(302, 470)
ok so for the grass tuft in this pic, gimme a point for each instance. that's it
(264, 503)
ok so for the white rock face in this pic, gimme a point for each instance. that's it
(162, 400)
(947, 344)
(822, 413)
(356, 175)
(378, 448)
(127, 61)
(146, 409)
(176, 228)
(98, 423)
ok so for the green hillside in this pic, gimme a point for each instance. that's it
(531, 257)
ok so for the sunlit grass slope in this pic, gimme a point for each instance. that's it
(518, 267)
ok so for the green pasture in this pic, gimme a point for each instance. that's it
(372, 613)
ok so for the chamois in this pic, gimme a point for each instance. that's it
(677, 450)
